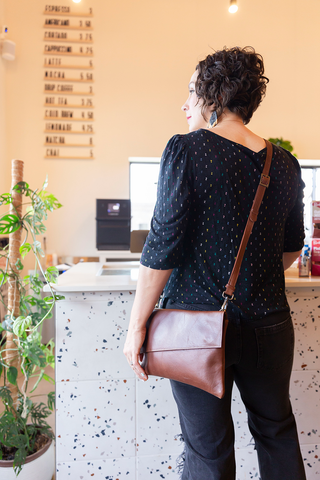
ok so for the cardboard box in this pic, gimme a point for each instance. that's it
(316, 231)
(315, 257)
(316, 211)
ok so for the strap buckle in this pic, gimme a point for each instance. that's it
(264, 180)
(226, 300)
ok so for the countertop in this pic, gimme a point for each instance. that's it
(84, 277)
(122, 276)
(293, 279)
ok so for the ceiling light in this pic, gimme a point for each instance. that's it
(233, 6)
(77, 1)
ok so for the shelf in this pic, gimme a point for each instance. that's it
(70, 119)
(68, 158)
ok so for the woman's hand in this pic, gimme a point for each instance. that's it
(132, 346)
(149, 287)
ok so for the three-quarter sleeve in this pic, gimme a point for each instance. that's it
(163, 248)
(294, 227)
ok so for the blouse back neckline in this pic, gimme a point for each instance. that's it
(234, 143)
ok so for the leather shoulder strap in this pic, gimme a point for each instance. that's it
(263, 184)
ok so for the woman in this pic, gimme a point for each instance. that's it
(207, 182)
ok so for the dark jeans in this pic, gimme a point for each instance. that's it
(259, 358)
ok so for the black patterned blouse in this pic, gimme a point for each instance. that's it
(205, 192)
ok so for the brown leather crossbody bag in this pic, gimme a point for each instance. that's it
(189, 346)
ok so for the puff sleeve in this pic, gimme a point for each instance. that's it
(163, 248)
(294, 227)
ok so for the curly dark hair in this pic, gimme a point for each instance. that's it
(232, 78)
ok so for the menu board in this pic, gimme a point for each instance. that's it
(68, 83)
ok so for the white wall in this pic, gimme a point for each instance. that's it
(145, 53)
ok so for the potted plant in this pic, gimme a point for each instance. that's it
(283, 143)
(24, 432)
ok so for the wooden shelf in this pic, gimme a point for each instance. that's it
(67, 145)
(60, 105)
(67, 132)
(68, 158)
(65, 40)
(67, 54)
(76, 67)
(62, 80)
(67, 27)
(65, 14)
(67, 119)
(47, 92)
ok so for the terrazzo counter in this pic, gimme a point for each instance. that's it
(109, 425)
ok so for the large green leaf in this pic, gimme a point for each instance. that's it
(50, 201)
(9, 224)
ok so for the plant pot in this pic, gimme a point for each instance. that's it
(38, 466)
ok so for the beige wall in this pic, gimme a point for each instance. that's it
(3, 160)
(145, 53)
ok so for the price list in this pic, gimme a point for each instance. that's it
(68, 83)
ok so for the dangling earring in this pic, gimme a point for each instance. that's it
(213, 119)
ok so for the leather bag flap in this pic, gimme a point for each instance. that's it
(184, 330)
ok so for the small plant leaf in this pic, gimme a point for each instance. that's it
(45, 183)
(12, 374)
(3, 277)
(19, 264)
(37, 248)
(7, 322)
(21, 324)
(48, 379)
(24, 249)
(38, 381)
(52, 274)
(51, 400)
(59, 297)
(5, 199)
(35, 355)
(19, 459)
(50, 300)
(21, 187)
(5, 396)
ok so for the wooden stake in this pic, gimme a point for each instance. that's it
(14, 255)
